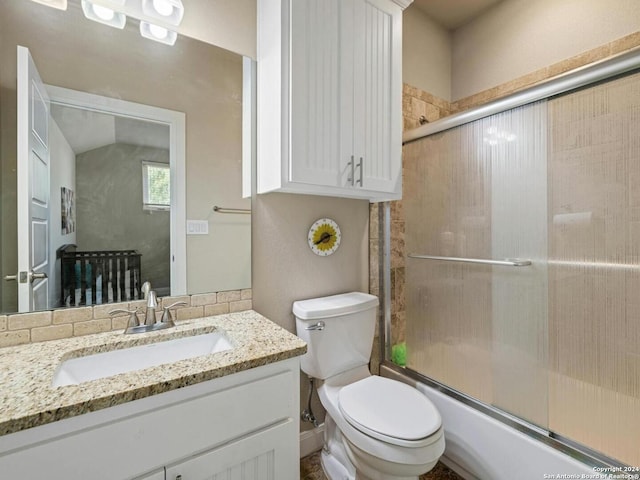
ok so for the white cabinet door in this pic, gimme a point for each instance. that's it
(330, 97)
(315, 92)
(266, 455)
(377, 102)
(346, 119)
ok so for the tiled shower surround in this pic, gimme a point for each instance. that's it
(22, 328)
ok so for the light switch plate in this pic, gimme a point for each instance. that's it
(197, 227)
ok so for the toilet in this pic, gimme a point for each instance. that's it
(375, 428)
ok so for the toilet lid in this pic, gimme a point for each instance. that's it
(389, 410)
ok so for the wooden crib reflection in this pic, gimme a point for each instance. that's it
(96, 277)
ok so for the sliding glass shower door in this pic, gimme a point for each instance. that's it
(547, 326)
(478, 192)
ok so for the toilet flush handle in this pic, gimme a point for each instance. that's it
(317, 326)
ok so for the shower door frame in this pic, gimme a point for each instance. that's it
(574, 80)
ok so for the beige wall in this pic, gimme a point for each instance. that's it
(109, 210)
(426, 53)
(520, 36)
(199, 79)
(63, 174)
(229, 24)
(285, 269)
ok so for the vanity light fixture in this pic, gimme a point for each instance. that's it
(164, 11)
(59, 4)
(157, 33)
(158, 18)
(105, 15)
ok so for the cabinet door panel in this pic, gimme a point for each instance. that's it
(266, 455)
(315, 96)
(378, 137)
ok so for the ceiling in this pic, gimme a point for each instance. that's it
(86, 130)
(452, 14)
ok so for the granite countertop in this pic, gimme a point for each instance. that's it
(27, 398)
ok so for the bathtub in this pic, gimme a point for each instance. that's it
(478, 447)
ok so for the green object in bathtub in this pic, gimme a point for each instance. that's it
(399, 354)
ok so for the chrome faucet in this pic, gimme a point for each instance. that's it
(152, 304)
(150, 324)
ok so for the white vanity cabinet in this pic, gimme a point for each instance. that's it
(247, 421)
(330, 97)
(257, 456)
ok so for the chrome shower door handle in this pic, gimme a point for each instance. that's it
(317, 326)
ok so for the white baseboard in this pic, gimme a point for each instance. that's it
(311, 440)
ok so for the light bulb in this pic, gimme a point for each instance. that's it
(163, 7)
(103, 12)
(158, 31)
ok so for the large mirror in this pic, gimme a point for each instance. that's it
(106, 194)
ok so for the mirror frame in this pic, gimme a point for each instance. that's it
(177, 155)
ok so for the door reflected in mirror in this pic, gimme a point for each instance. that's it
(104, 207)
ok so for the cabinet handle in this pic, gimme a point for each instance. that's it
(178, 477)
(361, 167)
(351, 177)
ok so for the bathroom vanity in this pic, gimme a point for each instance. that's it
(231, 411)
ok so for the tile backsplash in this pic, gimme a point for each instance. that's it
(19, 328)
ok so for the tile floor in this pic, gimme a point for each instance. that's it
(310, 469)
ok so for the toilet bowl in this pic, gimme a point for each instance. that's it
(375, 428)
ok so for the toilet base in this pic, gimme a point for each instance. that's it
(338, 461)
(334, 459)
(333, 469)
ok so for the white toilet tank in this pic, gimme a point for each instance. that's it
(338, 330)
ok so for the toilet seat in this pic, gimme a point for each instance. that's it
(390, 411)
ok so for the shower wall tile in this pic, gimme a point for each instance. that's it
(580, 60)
(602, 52)
(397, 244)
(374, 253)
(373, 221)
(398, 325)
(417, 103)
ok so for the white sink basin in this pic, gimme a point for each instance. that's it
(100, 365)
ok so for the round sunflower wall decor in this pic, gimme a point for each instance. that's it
(324, 237)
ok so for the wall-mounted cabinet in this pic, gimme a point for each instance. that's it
(330, 97)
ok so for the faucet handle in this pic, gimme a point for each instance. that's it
(133, 317)
(166, 314)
